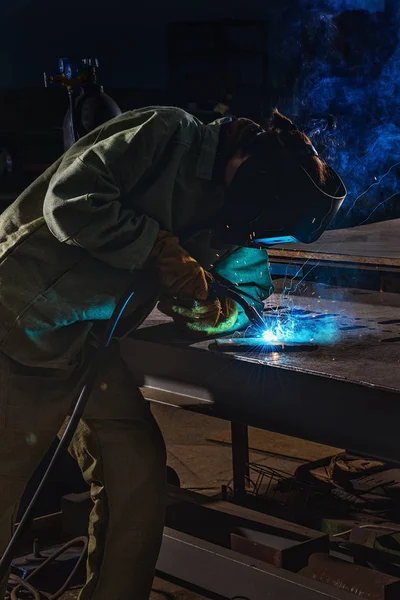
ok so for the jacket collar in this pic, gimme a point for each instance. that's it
(208, 151)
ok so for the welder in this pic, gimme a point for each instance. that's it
(156, 200)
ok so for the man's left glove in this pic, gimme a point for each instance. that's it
(210, 317)
(177, 273)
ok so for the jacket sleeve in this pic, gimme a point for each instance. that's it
(248, 270)
(83, 204)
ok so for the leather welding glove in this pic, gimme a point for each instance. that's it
(210, 317)
(179, 275)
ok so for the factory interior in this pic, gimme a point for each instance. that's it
(267, 355)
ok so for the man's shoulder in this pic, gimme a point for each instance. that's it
(155, 122)
(168, 114)
(167, 111)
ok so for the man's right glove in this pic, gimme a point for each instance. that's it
(179, 275)
(210, 317)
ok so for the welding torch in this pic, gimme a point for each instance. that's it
(221, 288)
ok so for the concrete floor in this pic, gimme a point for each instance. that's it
(204, 466)
(162, 590)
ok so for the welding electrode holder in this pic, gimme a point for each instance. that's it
(96, 364)
(219, 289)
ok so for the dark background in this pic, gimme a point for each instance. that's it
(333, 66)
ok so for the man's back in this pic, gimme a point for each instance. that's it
(70, 243)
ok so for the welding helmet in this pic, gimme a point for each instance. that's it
(273, 199)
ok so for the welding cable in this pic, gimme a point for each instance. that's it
(387, 529)
(79, 540)
(22, 585)
(98, 360)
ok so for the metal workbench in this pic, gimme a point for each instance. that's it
(375, 244)
(345, 393)
(364, 256)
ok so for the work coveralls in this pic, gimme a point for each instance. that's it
(70, 246)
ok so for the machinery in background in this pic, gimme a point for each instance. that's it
(6, 175)
(89, 106)
(5, 162)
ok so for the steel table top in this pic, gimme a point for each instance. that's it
(345, 393)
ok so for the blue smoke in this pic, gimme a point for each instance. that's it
(347, 98)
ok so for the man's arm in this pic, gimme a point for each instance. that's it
(82, 206)
(248, 270)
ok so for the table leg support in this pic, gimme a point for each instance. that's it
(240, 458)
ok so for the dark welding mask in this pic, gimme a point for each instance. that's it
(275, 200)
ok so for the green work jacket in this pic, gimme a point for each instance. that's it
(71, 243)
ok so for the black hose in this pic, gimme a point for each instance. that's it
(22, 585)
(25, 583)
(65, 440)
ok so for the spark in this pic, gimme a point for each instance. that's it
(288, 290)
(378, 205)
(287, 325)
(359, 160)
(269, 336)
(377, 182)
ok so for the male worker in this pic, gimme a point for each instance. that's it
(146, 199)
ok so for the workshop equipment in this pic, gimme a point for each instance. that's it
(67, 564)
(216, 572)
(284, 549)
(361, 581)
(385, 538)
(345, 394)
(196, 549)
(89, 106)
(365, 257)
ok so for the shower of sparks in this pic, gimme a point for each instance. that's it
(293, 287)
(296, 327)
(377, 182)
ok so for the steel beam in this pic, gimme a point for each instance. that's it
(216, 572)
